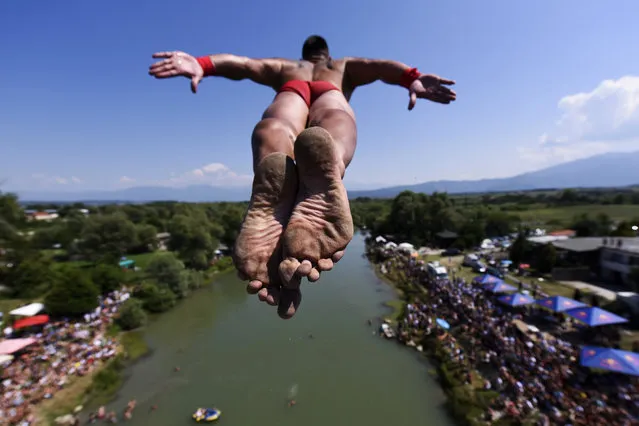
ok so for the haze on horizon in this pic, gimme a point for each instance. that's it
(538, 83)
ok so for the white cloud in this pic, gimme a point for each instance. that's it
(602, 120)
(75, 179)
(126, 179)
(212, 174)
(60, 180)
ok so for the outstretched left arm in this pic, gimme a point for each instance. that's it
(361, 71)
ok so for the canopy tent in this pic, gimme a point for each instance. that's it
(560, 303)
(28, 310)
(500, 287)
(516, 299)
(406, 247)
(595, 317)
(5, 358)
(128, 263)
(379, 239)
(487, 279)
(610, 359)
(31, 321)
(10, 346)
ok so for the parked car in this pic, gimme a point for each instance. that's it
(479, 268)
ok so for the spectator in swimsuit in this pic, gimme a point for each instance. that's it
(298, 222)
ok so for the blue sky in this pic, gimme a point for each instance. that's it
(538, 83)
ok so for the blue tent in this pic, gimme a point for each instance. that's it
(560, 303)
(499, 287)
(516, 299)
(610, 359)
(487, 279)
(595, 316)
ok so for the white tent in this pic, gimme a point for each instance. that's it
(391, 245)
(407, 247)
(5, 358)
(28, 310)
(380, 239)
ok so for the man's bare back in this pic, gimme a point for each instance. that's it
(298, 223)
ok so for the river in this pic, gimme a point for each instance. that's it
(234, 353)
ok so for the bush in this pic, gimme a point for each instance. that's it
(223, 264)
(108, 278)
(192, 279)
(131, 315)
(156, 299)
(73, 294)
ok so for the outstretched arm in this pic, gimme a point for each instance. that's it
(362, 71)
(262, 71)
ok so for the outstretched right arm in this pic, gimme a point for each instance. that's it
(262, 71)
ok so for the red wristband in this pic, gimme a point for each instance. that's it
(408, 76)
(207, 65)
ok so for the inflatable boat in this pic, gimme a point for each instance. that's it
(206, 415)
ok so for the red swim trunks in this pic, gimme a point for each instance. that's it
(308, 90)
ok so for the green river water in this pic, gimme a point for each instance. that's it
(235, 354)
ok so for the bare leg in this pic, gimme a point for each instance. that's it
(320, 226)
(257, 249)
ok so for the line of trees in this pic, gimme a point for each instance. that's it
(73, 259)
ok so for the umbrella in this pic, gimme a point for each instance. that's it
(516, 299)
(560, 303)
(487, 279)
(442, 323)
(500, 287)
(610, 359)
(595, 316)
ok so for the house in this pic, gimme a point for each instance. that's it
(564, 233)
(46, 216)
(618, 257)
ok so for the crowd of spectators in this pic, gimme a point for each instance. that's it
(536, 374)
(63, 349)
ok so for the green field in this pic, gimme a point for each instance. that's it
(565, 215)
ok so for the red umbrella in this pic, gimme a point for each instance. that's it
(31, 321)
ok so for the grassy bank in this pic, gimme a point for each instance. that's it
(100, 385)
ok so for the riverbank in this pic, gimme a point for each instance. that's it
(102, 384)
(466, 400)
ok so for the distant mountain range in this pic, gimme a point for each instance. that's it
(606, 170)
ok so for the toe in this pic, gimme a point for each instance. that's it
(305, 268)
(289, 303)
(314, 275)
(270, 295)
(254, 286)
(324, 265)
(288, 267)
(338, 255)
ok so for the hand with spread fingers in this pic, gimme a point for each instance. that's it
(431, 87)
(177, 64)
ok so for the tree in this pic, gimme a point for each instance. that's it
(107, 278)
(624, 229)
(191, 238)
(546, 258)
(165, 268)
(146, 238)
(192, 279)
(110, 235)
(73, 294)
(520, 249)
(131, 315)
(30, 278)
(155, 299)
